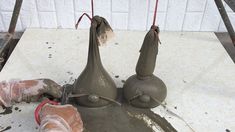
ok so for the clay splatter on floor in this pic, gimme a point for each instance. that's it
(16, 108)
(7, 110)
(7, 128)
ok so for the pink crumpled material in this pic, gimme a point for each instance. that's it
(27, 90)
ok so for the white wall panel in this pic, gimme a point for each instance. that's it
(173, 15)
(138, 15)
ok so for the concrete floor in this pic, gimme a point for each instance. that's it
(195, 67)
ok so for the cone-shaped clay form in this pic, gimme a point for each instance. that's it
(94, 85)
(144, 89)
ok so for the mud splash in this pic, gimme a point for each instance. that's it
(7, 110)
(124, 118)
(7, 128)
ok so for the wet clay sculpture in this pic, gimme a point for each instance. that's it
(144, 89)
(94, 87)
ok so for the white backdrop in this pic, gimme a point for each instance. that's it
(173, 15)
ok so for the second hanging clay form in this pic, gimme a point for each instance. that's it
(94, 84)
(144, 89)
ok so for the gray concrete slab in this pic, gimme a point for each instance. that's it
(195, 67)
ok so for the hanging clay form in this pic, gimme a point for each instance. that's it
(94, 87)
(144, 89)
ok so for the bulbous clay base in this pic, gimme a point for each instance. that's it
(146, 92)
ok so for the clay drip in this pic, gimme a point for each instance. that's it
(144, 89)
(94, 82)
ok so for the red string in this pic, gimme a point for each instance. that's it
(39, 107)
(80, 18)
(155, 13)
(90, 18)
(92, 8)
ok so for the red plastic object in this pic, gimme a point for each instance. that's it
(39, 107)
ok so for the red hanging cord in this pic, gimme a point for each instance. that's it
(155, 13)
(154, 20)
(85, 14)
(92, 8)
(80, 18)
